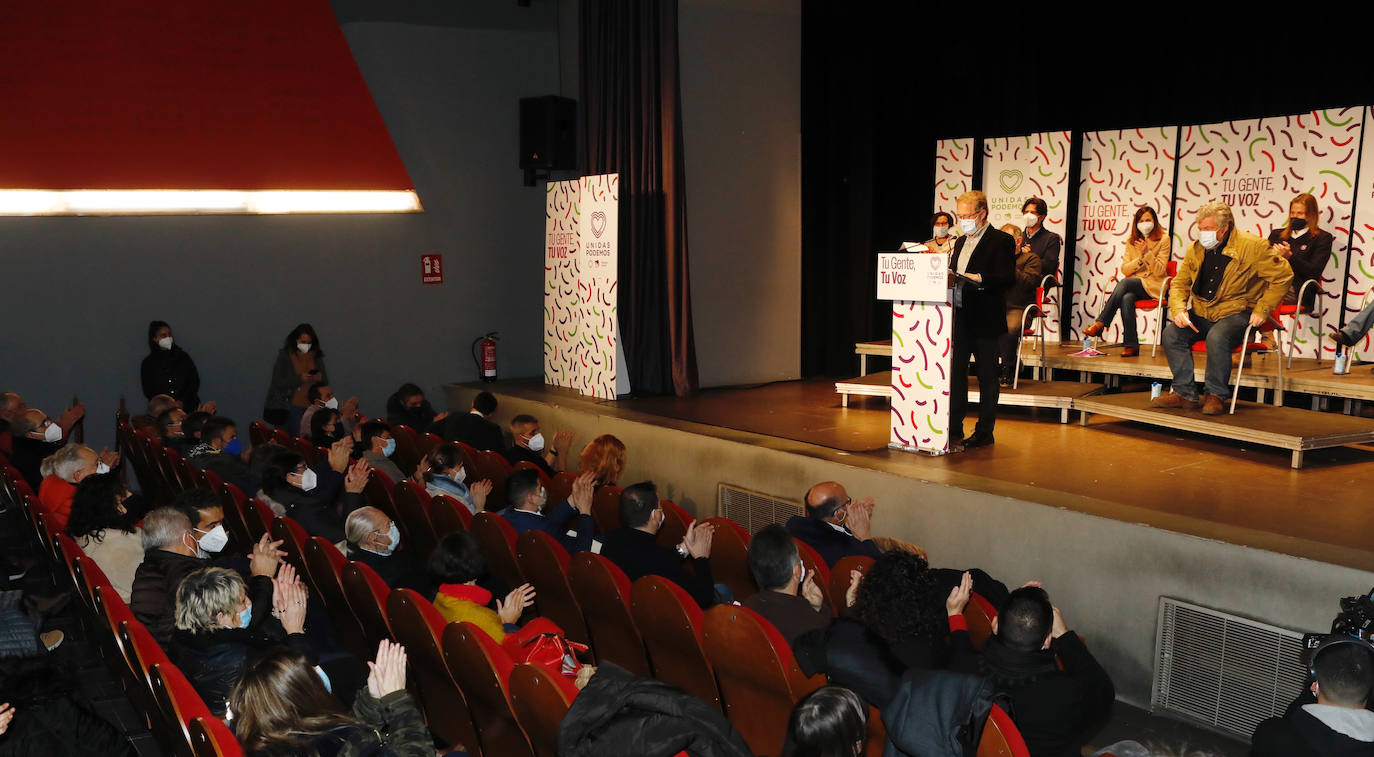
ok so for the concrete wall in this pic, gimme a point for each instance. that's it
(80, 291)
(1105, 575)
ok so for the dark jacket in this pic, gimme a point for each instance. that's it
(564, 518)
(984, 307)
(936, 713)
(831, 544)
(317, 516)
(853, 656)
(1053, 708)
(28, 458)
(153, 594)
(1045, 245)
(419, 420)
(172, 372)
(392, 725)
(621, 714)
(1311, 253)
(639, 554)
(285, 382)
(400, 569)
(517, 454)
(1028, 276)
(791, 614)
(471, 429)
(1300, 734)
(230, 468)
(212, 660)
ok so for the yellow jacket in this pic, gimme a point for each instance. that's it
(457, 610)
(1255, 280)
(1147, 260)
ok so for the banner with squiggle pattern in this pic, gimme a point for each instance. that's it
(1015, 168)
(953, 172)
(1359, 279)
(921, 334)
(1258, 166)
(581, 227)
(1120, 171)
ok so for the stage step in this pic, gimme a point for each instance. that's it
(1059, 395)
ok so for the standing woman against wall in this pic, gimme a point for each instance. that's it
(168, 369)
(300, 364)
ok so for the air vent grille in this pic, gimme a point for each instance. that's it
(752, 509)
(1224, 670)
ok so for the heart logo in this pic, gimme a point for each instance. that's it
(1010, 179)
(935, 263)
(598, 223)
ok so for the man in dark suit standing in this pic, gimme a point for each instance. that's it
(473, 428)
(987, 257)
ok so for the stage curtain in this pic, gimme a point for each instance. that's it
(632, 125)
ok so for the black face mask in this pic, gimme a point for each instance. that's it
(1297, 224)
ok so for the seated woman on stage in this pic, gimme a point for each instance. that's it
(1142, 274)
(1018, 296)
(941, 224)
(1304, 245)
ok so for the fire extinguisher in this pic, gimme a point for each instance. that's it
(486, 359)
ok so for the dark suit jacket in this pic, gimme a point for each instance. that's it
(639, 554)
(471, 429)
(984, 309)
(564, 518)
(831, 544)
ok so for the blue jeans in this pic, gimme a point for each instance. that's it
(1127, 291)
(1222, 336)
(1359, 325)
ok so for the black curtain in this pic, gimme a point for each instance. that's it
(881, 83)
(632, 125)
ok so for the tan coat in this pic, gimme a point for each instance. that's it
(1255, 280)
(1147, 260)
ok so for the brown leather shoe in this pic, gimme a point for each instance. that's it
(1173, 401)
(1211, 405)
(1094, 328)
(1130, 351)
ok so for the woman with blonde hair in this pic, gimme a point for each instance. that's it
(604, 458)
(1307, 248)
(1143, 266)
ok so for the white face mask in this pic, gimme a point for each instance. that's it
(308, 480)
(214, 540)
(165, 343)
(101, 468)
(1031, 219)
(1145, 227)
(1208, 239)
(305, 347)
(537, 442)
(332, 403)
(53, 433)
(459, 476)
(941, 232)
(968, 225)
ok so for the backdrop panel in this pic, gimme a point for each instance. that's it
(1359, 276)
(1257, 166)
(1017, 168)
(1120, 171)
(953, 172)
(921, 334)
(581, 330)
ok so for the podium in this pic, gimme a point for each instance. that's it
(917, 284)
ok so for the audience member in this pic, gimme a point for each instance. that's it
(604, 458)
(62, 471)
(831, 721)
(11, 407)
(787, 597)
(1053, 708)
(1020, 294)
(35, 437)
(835, 525)
(915, 633)
(206, 514)
(325, 427)
(161, 403)
(634, 547)
(445, 474)
(194, 425)
(221, 452)
(171, 427)
(376, 446)
(292, 484)
(321, 397)
(526, 497)
(473, 427)
(282, 707)
(299, 365)
(1338, 723)
(529, 446)
(1144, 266)
(168, 369)
(169, 556)
(220, 622)
(374, 540)
(1045, 244)
(457, 564)
(1233, 281)
(104, 524)
(408, 407)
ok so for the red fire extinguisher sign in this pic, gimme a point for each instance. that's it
(431, 269)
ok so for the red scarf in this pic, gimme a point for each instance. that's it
(466, 592)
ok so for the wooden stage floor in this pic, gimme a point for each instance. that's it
(1233, 492)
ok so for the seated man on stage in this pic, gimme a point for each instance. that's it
(1235, 281)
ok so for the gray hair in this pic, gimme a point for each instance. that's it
(160, 403)
(362, 522)
(1218, 210)
(164, 527)
(206, 594)
(65, 462)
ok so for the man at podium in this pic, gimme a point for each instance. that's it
(986, 260)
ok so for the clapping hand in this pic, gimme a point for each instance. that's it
(208, 407)
(958, 596)
(338, 454)
(288, 599)
(107, 457)
(812, 593)
(581, 495)
(388, 671)
(698, 538)
(267, 555)
(6, 715)
(479, 492)
(851, 595)
(356, 480)
(515, 603)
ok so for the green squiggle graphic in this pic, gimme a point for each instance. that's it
(1078, 276)
(1052, 150)
(1339, 176)
(898, 337)
(956, 144)
(1252, 146)
(931, 426)
(1113, 141)
(1028, 144)
(1364, 270)
(1043, 172)
(1333, 123)
(921, 382)
(1057, 204)
(1088, 197)
(1190, 169)
(951, 186)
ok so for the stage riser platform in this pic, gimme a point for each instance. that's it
(1104, 569)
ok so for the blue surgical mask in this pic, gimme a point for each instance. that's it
(234, 448)
(393, 536)
(246, 616)
(389, 447)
